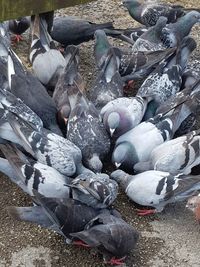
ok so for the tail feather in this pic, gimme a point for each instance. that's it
(30, 214)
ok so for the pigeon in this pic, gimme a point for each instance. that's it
(15, 105)
(19, 26)
(64, 217)
(111, 236)
(157, 189)
(166, 79)
(94, 190)
(178, 155)
(171, 34)
(46, 147)
(69, 78)
(123, 114)
(71, 30)
(86, 131)
(133, 65)
(193, 204)
(34, 175)
(130, 148)
(151, 39)
(24, 85)
(46, 60)
(149, 12)
(108, 85)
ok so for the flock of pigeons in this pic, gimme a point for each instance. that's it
(55, 147)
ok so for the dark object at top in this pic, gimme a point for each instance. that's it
(19, 26)
(10, 9)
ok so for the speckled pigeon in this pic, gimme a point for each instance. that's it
(166, 79)
(151, 40)
(85, 130)
(157, 189)
(94, 190)
(149, 12)
(48, 148)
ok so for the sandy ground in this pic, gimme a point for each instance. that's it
(168, 239)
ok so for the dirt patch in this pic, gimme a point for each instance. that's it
(169, 239)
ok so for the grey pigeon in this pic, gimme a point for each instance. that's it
(151, 39)
(133, 65)
(72, 30)
(24, 85)
(86, 131)
(111, 236)
(69, 78)
(157, 189)
(30, 174)
(94, 190)
(178, 155)
(137, 144)
(166, 79)
(46, 60)
(64, 217)
(123, 114)
(48, 148)
(109, 84)
(171, 34)
(148, 13)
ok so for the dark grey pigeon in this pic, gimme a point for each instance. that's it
(109, 84)
(48, 148)
(157, 189)
(24, 85)
(86, 131)
(64, 217)
(19, 26)
(94, 190)
(137, 144)
(175, 156)
(30, 174)
(123, 114)
(72, 30)
(149, 12)
(46, 60)
(69, 78)
(111, 236)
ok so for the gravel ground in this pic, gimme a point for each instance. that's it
(168, 239)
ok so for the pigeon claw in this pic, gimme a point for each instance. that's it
(114, 261)
(17, 38)
(129, 86)
(141, 212)
(80, 243)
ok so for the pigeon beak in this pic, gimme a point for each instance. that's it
(117, 165)
(112, 131)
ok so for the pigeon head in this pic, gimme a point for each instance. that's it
(124, 155)
(121, 178)
(113, 122)
(100, 36)
(131, 3)
(95, 164)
